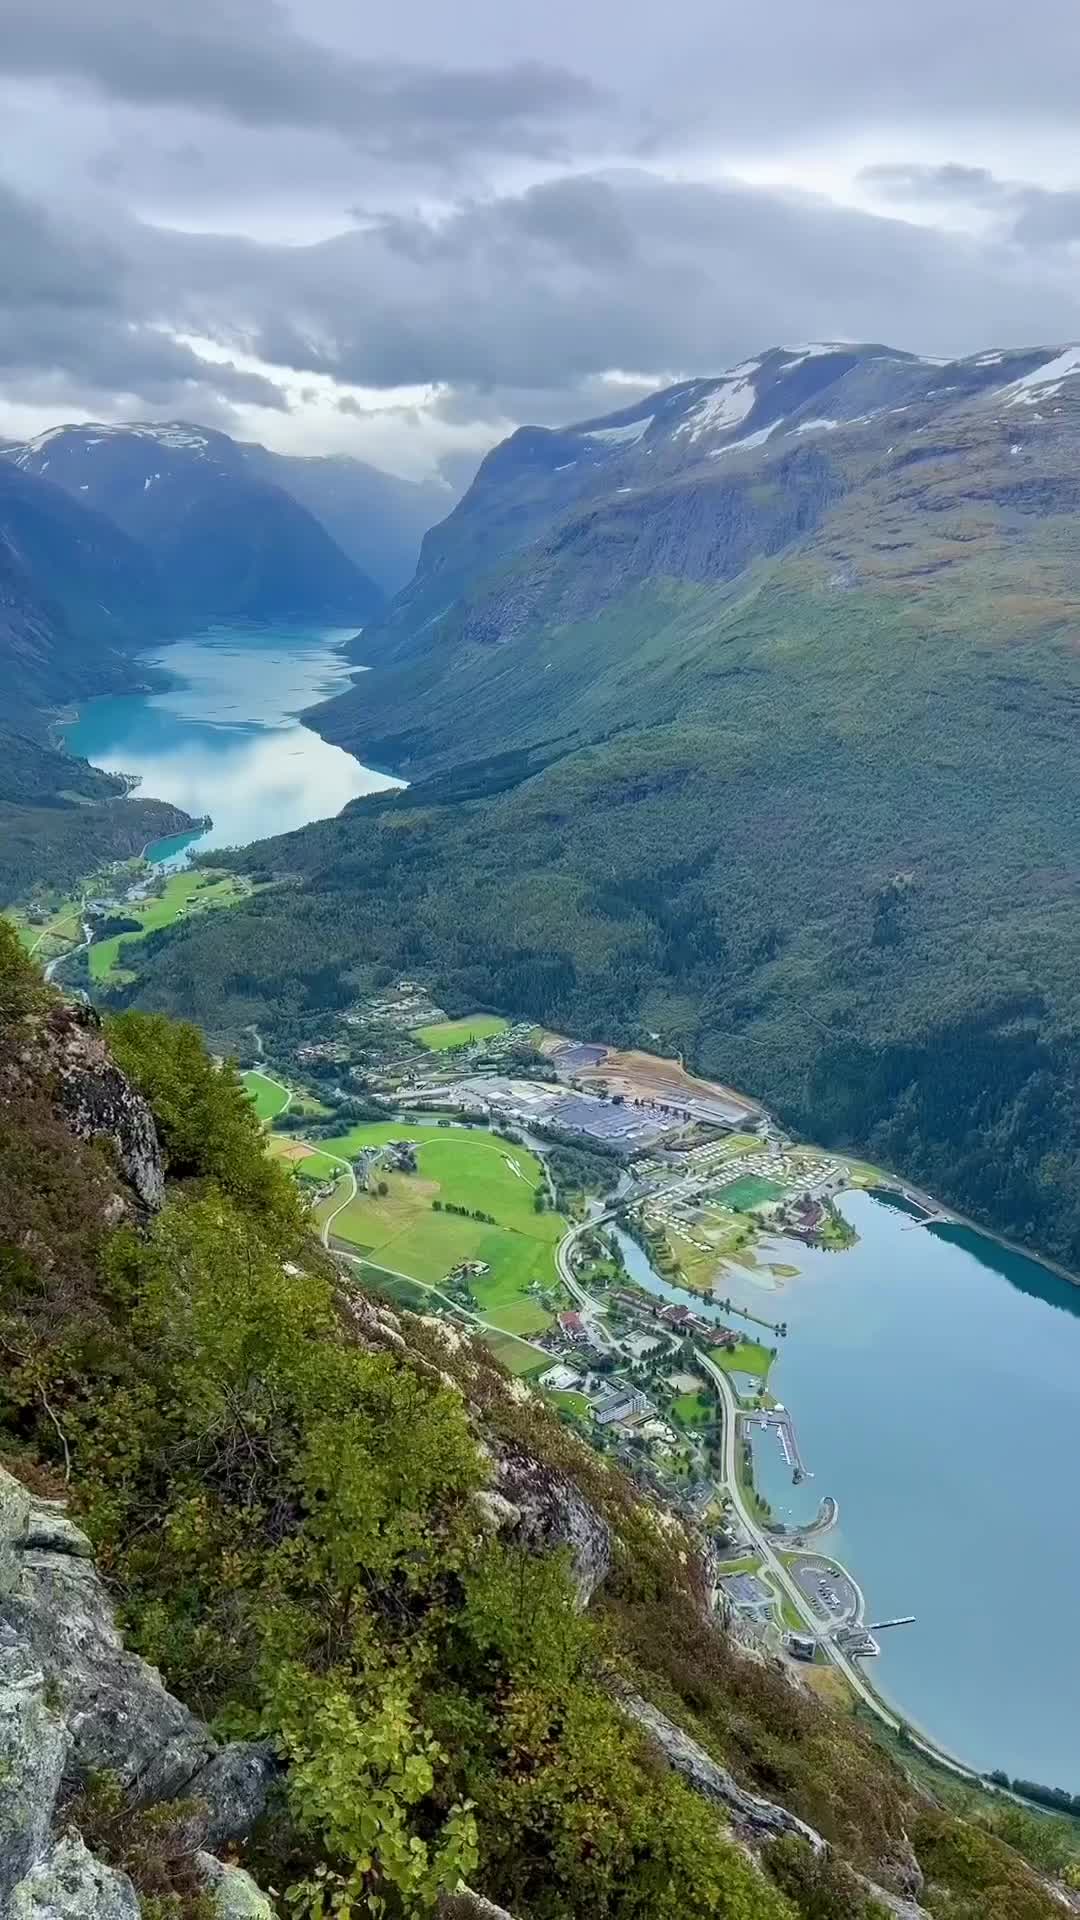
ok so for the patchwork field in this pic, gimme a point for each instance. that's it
(308, 1161)
(185, 893)
(402, 1231)
(446, 1034)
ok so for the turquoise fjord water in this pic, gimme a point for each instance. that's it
(934, 1379)
(220, 734)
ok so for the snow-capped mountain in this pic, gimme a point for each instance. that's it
(227, 542)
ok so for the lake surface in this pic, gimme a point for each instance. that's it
(934, 1380)
(222, 736)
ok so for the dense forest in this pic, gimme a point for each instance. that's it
(287, 1510)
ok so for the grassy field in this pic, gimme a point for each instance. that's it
(185, 893)
(749, 1192)
(516, 1357)
(268, 1098)
(569, 1402)
(748, 1357)
(446, 1034)
(467, 1168)
(697, 1409)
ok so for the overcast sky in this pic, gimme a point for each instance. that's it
(400, 231)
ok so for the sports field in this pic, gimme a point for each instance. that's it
(446, 1034)
(185, 893)
(267, 1097)
(751, 1191)
(465, 1167)
(308, 1161)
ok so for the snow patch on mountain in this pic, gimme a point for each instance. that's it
(1042, 383)
(616, 436)
(727, 405)
(816, 426)
(757, 439)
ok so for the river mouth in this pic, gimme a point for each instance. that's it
(218, 733)
(933, 1376)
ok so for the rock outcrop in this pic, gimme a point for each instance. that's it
(753, 1819)
(67, 1883)
(75, 1703)
(100, 1103)
(545, 1511)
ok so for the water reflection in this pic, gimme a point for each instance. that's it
(220, 733)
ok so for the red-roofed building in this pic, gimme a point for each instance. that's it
(573, 1326)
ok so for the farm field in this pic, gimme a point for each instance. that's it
(308, 1161)
(185, 893)
(461, 1167)
(266, 1096)
(446, 1034)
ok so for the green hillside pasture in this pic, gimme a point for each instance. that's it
(403, 1232)
(307, 1162)
(267, 1097)
(185, 893)
(446, 1034)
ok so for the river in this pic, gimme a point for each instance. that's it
(219, 735)
(934, 1379)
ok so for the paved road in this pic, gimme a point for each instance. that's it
(778, 1571)
(589, 1308)
(342, 1204)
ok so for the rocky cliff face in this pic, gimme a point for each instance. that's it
(75, 1705)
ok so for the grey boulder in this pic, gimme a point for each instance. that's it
(67, 1883)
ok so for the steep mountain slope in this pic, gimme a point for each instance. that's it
(226, 543)
(696, 485)
(773, 756)
(377, 518)
(74, 591)
(447, 1639)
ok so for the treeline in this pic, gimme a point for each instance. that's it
(1057, 1799)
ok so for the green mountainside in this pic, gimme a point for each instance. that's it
(446, 1642)
(746, 721)
(75, 595)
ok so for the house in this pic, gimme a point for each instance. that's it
(573, 1326)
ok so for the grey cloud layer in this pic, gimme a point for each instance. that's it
(530, 295)
(248, 62)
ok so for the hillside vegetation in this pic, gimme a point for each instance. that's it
(283, 1491)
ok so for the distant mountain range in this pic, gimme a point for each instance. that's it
(746, 716)
(114, 535)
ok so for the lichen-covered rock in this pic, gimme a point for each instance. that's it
(234, 1892)
(118, 1715)
(553, 1514)
(33, 1750)
(67, 1883)
(467, 1905)
(100, 1103)
(234, 1786)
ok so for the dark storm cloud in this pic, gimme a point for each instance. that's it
(246, 60)
(73, 312)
